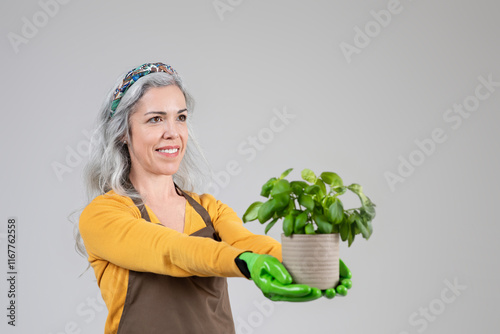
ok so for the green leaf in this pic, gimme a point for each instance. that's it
(327, 201)
(355, 230)
(267, 187)
(332, 179)
(344, 231)
(298, 187)
(252, 212)
(336, 212)
(281, 186)
(323, 225)
(299, 230)
(306, 201)
(339, 190)
(318, 209)
(369, 226)
(336, 228)
(368, 211)
(352, 226)
(291, 206)
(358, 190)
(365, 232)
(352, 235)
(322, 187)
(367, 206)
(308, 175)
(352, 218)
(266, 211)
(271, 224)
(288, 223)
(281, 201)
(300, 222)
(309, 229)
(312, 189)
(285, 173)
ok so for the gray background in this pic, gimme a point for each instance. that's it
(358, 117)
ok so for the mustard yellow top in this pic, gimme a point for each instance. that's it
(117, 240)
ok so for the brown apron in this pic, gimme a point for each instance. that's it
(165, 304)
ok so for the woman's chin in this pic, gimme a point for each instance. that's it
(168, 171)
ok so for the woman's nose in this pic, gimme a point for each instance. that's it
(170, 130)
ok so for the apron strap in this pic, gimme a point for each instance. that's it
(142, 209)
(196, 206)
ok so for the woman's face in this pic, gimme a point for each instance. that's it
(159, 132)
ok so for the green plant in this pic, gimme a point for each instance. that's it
(306, 206)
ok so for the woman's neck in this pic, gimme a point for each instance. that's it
(158, 188)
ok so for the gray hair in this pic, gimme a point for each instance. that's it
(109, 164)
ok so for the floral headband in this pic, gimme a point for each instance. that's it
(133, 76)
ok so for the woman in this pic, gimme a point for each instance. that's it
(161, 254)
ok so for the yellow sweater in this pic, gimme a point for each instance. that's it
(117, 240)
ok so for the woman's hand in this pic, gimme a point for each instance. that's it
(344, 284)
(275, 281)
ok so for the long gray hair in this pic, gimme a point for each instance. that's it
(109, 164)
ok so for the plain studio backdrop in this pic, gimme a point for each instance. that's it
(401, 97)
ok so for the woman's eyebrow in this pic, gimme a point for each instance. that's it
(164, 112)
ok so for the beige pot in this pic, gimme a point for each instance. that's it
(312, 259)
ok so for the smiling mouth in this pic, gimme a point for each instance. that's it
(170, 150)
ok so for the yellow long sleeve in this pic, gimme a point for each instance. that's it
(113, 230)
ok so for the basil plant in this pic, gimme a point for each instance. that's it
(308, 207)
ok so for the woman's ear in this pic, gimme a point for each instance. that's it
(124, 140)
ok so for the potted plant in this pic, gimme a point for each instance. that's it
(313, 220)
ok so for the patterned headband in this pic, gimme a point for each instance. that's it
(133, 76)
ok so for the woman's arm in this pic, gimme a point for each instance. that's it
(230, 228)
(112, 229)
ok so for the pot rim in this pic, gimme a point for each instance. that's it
(323, 235)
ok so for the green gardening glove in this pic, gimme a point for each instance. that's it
(275, 281)
(344, 284)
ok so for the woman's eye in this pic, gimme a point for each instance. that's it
(182, 118)
(155, 119)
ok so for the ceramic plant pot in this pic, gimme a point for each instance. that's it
(312, 259)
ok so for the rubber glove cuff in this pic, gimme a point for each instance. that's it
(242, 264)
